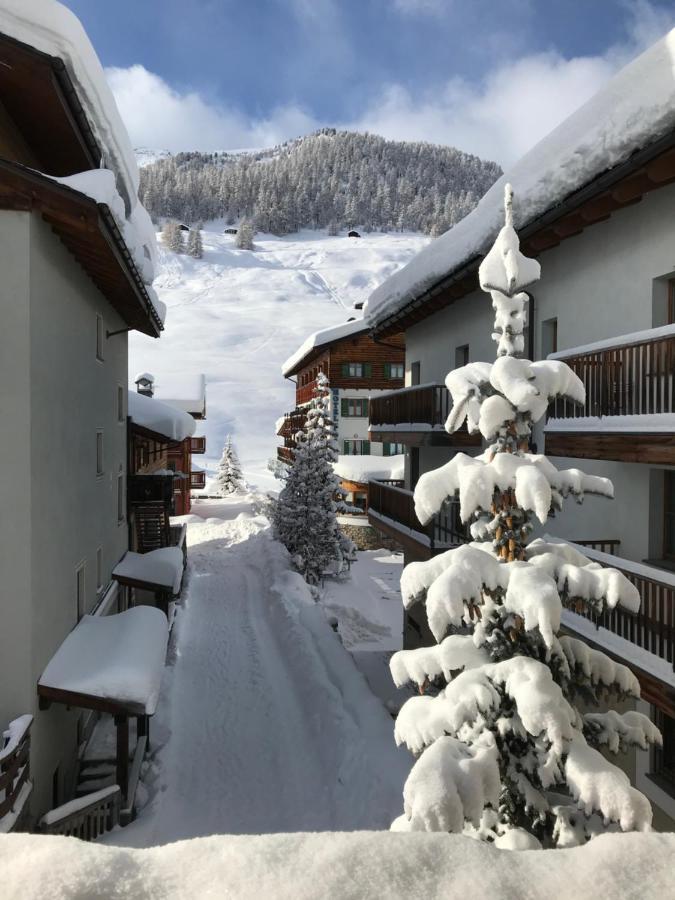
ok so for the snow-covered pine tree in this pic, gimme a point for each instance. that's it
(305, 515)
(194, 244)
(504, 752)
(229, 478)
(244, 238)
(172, 236)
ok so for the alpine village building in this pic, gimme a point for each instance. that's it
(76, 253)
(358, 368)
(605, 304)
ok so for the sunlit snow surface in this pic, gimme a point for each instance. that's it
(236, 315)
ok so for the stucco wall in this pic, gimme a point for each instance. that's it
(63, 510)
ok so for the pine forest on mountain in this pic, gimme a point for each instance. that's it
(330, 179)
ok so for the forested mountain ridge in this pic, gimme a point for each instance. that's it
(330, 179)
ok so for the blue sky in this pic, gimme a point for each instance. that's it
(213, 74)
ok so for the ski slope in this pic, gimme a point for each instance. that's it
(236, 315)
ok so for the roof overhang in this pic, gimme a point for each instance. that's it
(624, 185)
(90, 232)
(38, 94)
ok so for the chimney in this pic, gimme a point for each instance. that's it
(145, 384)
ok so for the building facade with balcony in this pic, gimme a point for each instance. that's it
(76, 273)
(359, 369)
(606, 305)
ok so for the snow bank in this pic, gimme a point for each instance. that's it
(319, 338)
(634, 109)
(366, 468)
(349, 866)
(118, 657)
(52, 29)
(159, 417)
(163, 566)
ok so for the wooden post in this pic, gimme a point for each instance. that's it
(122, 725)
(143, 728)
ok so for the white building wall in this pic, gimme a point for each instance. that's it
(353, 427)
(63, 511)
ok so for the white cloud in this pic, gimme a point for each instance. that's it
(421, 7)
(160, 117)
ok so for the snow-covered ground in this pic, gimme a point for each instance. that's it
(264, 723)
(236, 315)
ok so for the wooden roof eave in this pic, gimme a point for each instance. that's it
(115, 707)
(90, 233)
(624, 185)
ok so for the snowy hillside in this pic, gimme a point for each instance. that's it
(236, 315)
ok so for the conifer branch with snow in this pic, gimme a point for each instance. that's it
(305, 515)
(504, 754)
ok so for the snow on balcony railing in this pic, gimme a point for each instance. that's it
(626, 376)
(86, 817)
(15, 787)
(395, 506)
(422, 407)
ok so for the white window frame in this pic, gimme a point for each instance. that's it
(397, 370)
(355, 370)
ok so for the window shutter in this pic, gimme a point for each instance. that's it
(366, 447)
(344, 407)
(345, 370)
(387, 370)
(367, 370)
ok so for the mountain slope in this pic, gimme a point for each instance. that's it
(236, 315)
(337, 178)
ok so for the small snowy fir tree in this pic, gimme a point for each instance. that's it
(244, 238)
(172, 236)
(504, 752)
(305, 516)
(194, 244)
(229, 478)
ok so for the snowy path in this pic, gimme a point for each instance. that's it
(265, 724)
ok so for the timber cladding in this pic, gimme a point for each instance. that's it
(654, 449)
(376, 355)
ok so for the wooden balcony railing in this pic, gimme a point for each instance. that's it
(604, 545)
(305, 393)
(86, 817)
(424, 405)
(392, 502)
(197, 479)
(285, 454)
(197, 445)
(629, 378)
(653, 627)
(292, 424)
(14, 769)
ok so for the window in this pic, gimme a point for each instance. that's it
(394, 370)
(99, 453)
(120, 497)
(549, 337)
(663, 758)
(669, 515)
(99, 338)
(80, 586)
(354, 408)
(120, 404)
(99, 569)
(415, 373)
(356, 448)
(390, 448)
(461, 355)
(356, 370)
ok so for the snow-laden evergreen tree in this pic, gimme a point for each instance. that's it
(504, 751)
(194, 244)
(172, 236)
(229, 477)
(305, 516)
(244, 238)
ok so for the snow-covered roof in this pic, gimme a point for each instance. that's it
(186, 392)
(162, 567)
(364, 468)
(634, 109)
(118, 658)
(320, 339)
(160, 417)
(52, 29)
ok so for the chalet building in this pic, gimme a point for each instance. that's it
(76, 254)
(187, 395)
(605, 304)
(358, 369)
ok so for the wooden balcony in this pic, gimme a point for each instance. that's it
(629, 414)
(416, 416)
(197, 445)
(305, 393)
(15, 786)
(197, 480)
(285, 455)
(651, 630)
(391, 510)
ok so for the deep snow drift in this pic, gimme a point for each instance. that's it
(236, 315)
(264, 723)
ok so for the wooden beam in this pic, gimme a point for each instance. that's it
(653, 449)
